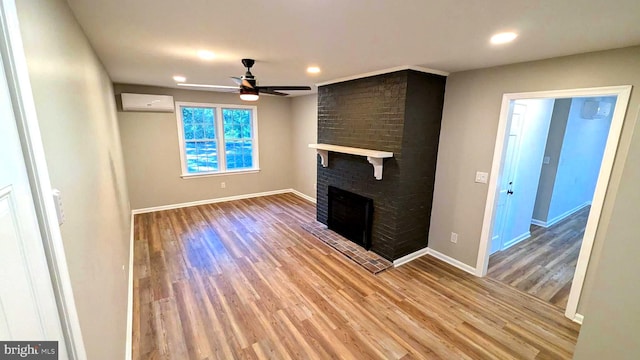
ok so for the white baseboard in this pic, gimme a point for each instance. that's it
(557, 219)
(516, 240)
(414, 255)
(304, 196)
(129, 337)
(578, 318)
(210, 201)
(451, 261)
(438, 255)
(539, 223)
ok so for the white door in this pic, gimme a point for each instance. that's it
(28, 310)
(503, 219)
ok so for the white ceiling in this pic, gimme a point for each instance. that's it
(149, 41)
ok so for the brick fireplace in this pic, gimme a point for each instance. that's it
(398, 112)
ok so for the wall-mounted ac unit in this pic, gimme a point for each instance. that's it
(594, 109)
(144, 102)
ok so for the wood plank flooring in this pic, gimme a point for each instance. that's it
(544, 264)
(243, 280)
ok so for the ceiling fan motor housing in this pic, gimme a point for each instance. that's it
(251, 80)
(248, 90)
(248, 63)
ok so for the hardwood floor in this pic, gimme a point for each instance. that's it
(543, 265)
(243, 280)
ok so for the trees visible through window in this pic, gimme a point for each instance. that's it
(217, 138)
(238, 138)
(200, 145)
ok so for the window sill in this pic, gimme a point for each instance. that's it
(217, 173)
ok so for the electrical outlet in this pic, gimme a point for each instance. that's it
(223, 185)
(454, 238)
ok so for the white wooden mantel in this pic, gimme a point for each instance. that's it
(375, 157)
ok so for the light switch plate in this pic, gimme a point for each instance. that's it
(57, 200)
(482, 177)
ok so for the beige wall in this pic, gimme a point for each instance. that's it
(304, 131)
(152, 153)
(610, 331)
(468, 135)
(76, 112)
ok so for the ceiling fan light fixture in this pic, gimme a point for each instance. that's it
(248, 94)
(249, 97)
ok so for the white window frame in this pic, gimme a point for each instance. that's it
(220, 141)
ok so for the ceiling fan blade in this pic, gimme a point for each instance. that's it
(272, 92)
(223, 88)
(274, 88)
(241, 81)
(228, 90)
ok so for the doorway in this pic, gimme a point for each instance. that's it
(502, 227)
(28, 308)
(553, 156)
(36, 300)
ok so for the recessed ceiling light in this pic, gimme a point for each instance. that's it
(179, 78)
(503, 38)
(313, 69)
(206, 55)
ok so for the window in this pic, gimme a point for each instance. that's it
(217, 139)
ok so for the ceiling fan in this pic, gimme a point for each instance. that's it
(249, 90)
(248, 86)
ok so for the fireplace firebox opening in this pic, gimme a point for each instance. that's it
(350, 215)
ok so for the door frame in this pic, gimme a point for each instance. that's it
(16, 70)
(623, 93)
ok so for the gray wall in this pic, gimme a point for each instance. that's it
(468, 135)
(304, 131)
(610, 331)
(580, 159)
(152, 153)
(553, 147)
(77, 116)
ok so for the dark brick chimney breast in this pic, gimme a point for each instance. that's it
(399, 112)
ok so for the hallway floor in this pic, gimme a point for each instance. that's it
(543, 265)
